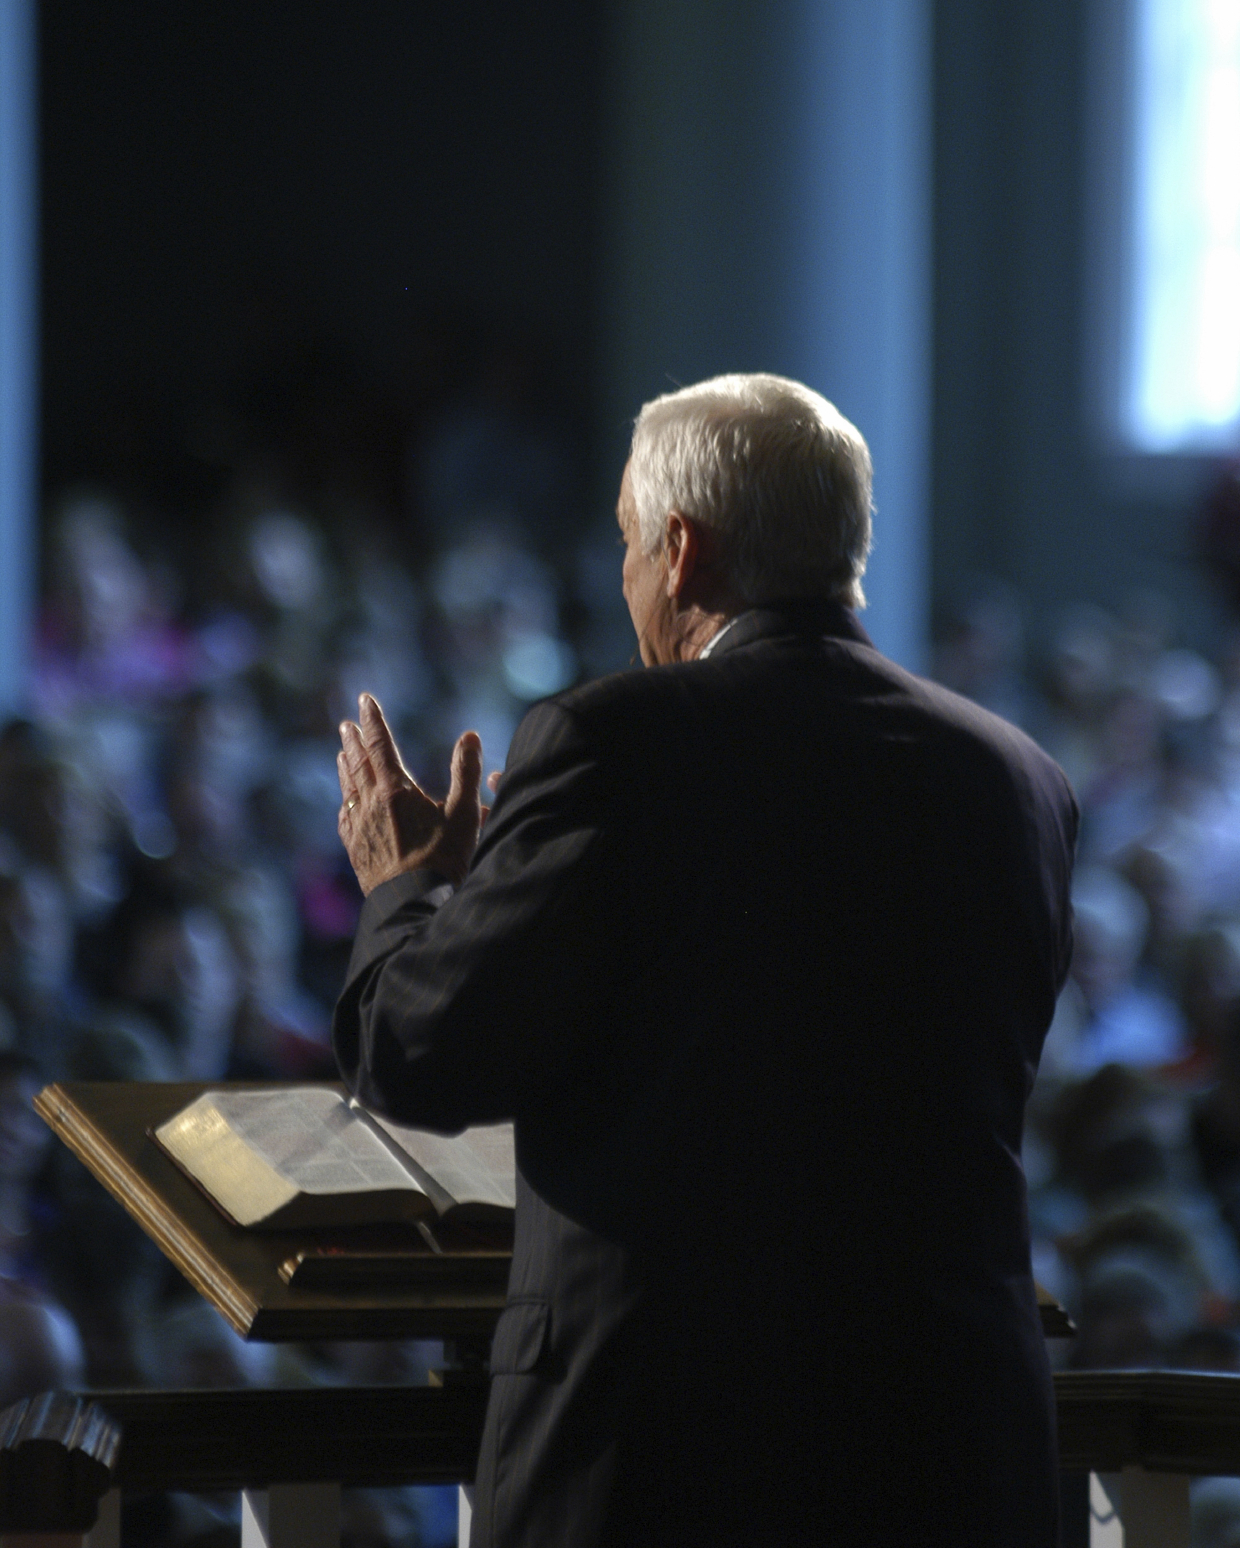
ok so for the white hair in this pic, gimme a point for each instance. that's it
(771, 467)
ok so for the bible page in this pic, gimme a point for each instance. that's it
(311, 1138)
(476, 1167)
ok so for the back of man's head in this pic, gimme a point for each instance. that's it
(774, 469)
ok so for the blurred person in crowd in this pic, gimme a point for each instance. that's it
(1137, 1303)
(39, 1343)
(106, 632)
(1123, 799)
(1170, 885)
(189, 1345)
(1187, 863)
(1209, 987)
(299, 617)
(94, 842)
(1127, 1234)
(981, 656)
(36, 957)
(221, 751)
(498, 633)
(393, 1518)
(99, 1262)
(381, 640)
(40, 1349)
(1081, 679)
(166, 953)
(32, 794)
(1119, 1136)
(1144, 630)
(1125, 1139)
(56, 810)
(24, 1142)
(1151, 1258)
(1216, 1113)
(120, 1044)
(297, 820)
(771, 887)
(1107, 1014)
(280, 1029)
(1214, 1505)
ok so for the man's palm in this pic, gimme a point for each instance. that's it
(387, 823)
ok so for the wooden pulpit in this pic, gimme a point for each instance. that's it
(362, 1283)
(280, 1285)
(1132, 1438)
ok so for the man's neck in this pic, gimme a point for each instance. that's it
(698, 629)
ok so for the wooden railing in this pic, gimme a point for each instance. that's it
(288, 1451)
(1138, 1436)
(1141, 1436)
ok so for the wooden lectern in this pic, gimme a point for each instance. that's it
(278, 1285)
(288, 1285)
(1135, 1437)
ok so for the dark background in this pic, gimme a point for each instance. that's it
(296, 231)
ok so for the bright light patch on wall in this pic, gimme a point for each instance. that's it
(1184, 387)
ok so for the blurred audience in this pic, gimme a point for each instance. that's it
(1132, 1148)
(174, 902)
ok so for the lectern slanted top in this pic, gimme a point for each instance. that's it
(107, 1124)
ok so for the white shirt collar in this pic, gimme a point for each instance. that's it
(715, 638)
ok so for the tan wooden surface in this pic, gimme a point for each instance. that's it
(105, 1124)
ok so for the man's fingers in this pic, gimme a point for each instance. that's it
(348, 790)
(493, 779)
(378, 739)
(466, 779)
(356, 760)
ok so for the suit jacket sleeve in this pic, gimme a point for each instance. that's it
(467, 1012)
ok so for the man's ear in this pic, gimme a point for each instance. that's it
(682, 551)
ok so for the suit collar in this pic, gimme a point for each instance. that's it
(811, 617)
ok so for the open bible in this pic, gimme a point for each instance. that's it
(308, 1156)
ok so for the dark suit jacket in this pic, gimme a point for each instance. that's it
(759, 952)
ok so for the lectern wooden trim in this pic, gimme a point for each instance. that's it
(246, 1275)
(107, 1124)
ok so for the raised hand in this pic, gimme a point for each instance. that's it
(387, 823)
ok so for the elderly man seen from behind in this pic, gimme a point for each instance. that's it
(758, 949)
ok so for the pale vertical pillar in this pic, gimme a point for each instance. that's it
(1136, 1509)
(464, 1515)
(18, 343)
(767, 206)
(291, 1516)
(859, 317)
(1106, 1522)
